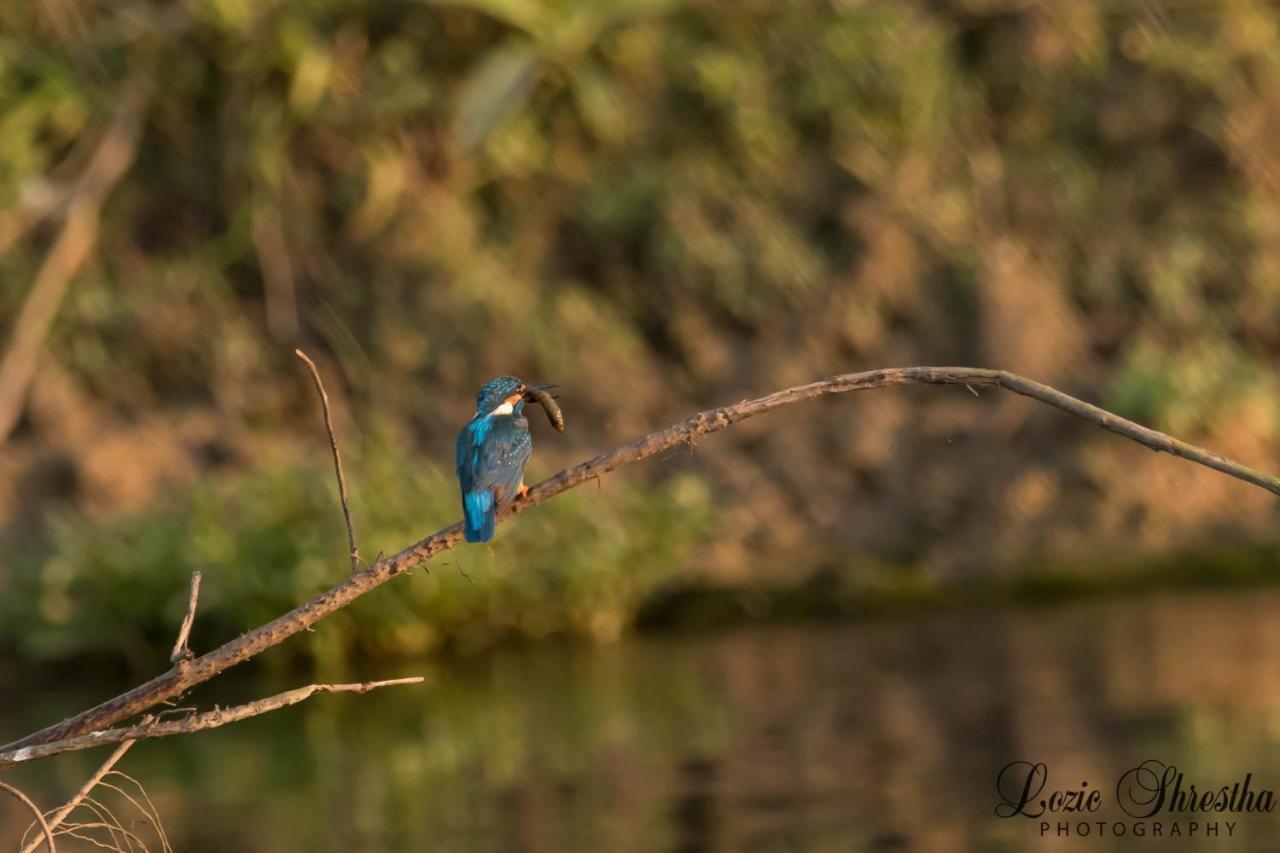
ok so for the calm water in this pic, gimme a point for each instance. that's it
(886, 736)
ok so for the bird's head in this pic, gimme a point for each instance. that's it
(503, 395)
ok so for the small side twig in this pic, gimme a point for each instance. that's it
(146, 807)
(181, 651)
(337, 462)
(35, 810)
(199, 722)
(56, 819)
(122, 840)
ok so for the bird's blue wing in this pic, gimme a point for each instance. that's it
(501, 457)
(490, 454)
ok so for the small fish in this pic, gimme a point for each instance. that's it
(543, 396)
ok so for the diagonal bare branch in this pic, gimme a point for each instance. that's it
(56, 819)
(198, 722)
(305, 615)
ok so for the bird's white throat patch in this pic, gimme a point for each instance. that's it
(504, 409)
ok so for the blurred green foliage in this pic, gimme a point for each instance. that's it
(658, 205)
(267, 542)
(536, 183)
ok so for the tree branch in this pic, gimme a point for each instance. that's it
(35, 810)
(302, 617)
(337, 461)
(56, 819)
(196, 722)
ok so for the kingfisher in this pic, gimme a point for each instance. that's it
(492, 451)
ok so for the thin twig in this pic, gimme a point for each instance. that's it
(35, 810)
(153, 819)
(207, 720)
(61, 814)
(181, 651)
(150, 810)
(109, 822)
(305, 615)
(75, 833)
(122, 840)
(337, 461)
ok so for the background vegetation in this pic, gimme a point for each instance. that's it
(661, 206)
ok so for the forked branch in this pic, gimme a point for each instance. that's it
(55, 820)
(305, 615)
(149, 728)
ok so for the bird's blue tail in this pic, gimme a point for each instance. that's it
(479, 516)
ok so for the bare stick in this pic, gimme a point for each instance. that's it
(61, 814)
(305, 615)
(35, 810)
(196, 722)
(337, 461)
(181, 651)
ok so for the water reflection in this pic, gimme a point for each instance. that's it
(886, 736)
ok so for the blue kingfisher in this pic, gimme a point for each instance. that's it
(492, 451)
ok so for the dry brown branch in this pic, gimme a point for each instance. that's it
(305, 615)
(181, 651)
(70, 248)
(104, 819)
(35, 810)
(60, 815)
(337, 461)
(198, 722)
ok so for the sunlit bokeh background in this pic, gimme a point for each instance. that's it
(753, 643)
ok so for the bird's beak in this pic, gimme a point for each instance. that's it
(543, 387)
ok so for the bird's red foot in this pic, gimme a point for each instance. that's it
(523, 490)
